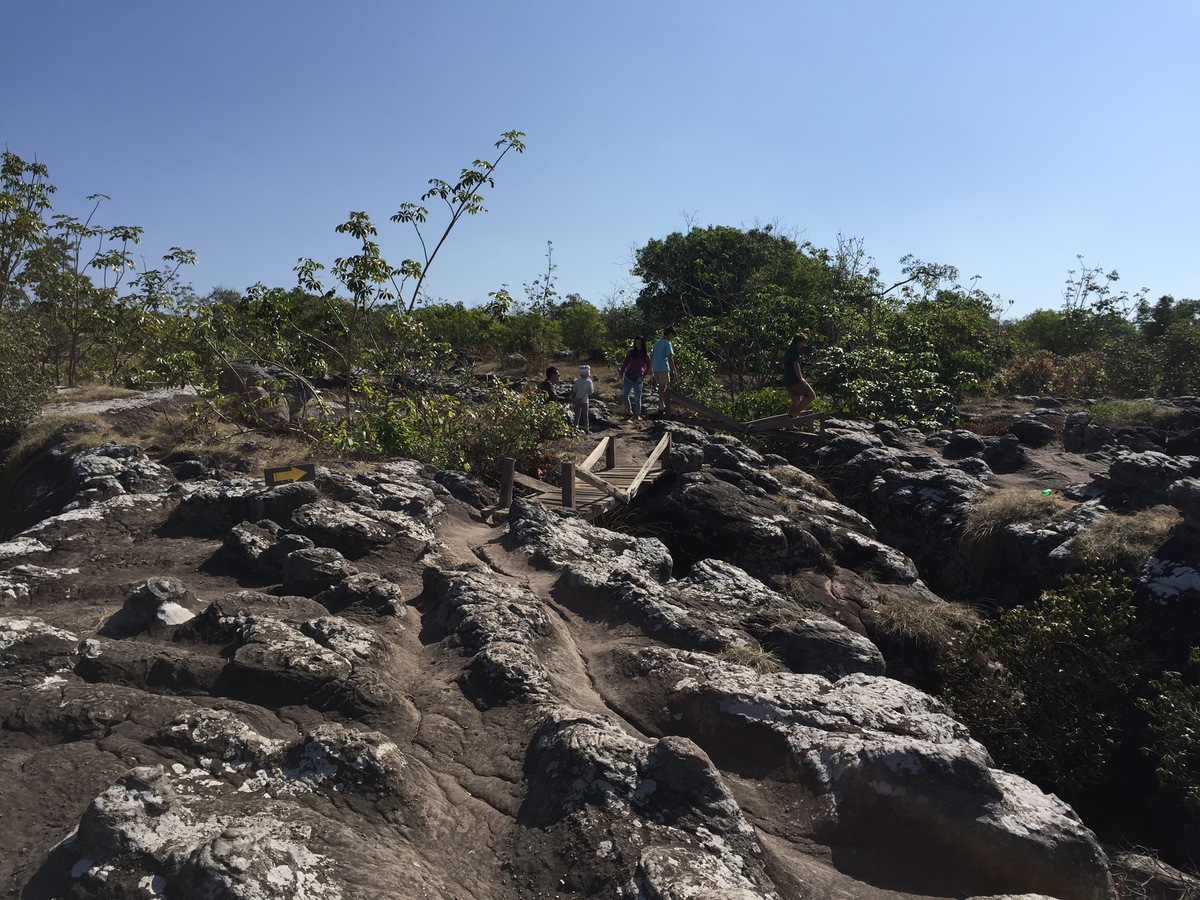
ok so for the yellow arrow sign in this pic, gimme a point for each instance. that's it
(290, 474)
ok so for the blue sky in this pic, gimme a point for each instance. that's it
(1001, 137)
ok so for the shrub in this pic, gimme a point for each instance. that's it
(758, 404)
(878, 383)
(23, 383)
(1081, 375)
(1046, 687)
(582, 326)
(451, 433)
(1031, 374)
(1174, 710)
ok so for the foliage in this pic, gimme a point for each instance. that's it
(24, 200)
(1080, 375)
(581, 324)
(461, 198)
(1179, 360)
(457, 325)
(449, 432)
(1031, 374)
(1153, 321)
(623, 322)
(1133, 412)
(1174, 709)
(709, 271)
(1045, 686)
(956, 327)
(23, 382)
(757, 404)
(880, 383)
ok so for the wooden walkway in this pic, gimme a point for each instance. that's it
(795, 428)
(599, 483)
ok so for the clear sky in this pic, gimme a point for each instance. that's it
(1001, 136)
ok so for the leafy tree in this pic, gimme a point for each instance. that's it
(1153, 321)
(24, 201)
(958, 328)
(1179, 359)
(457, 325)
(713, 271)
(371, 281)
(581, 324)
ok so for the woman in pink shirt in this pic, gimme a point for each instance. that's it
(635, 368)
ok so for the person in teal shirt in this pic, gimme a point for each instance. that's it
(662, 363)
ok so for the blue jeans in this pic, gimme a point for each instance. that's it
(636, 387)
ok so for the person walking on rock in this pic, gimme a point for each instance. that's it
(634, 369)
(662, 362)
(793, 379)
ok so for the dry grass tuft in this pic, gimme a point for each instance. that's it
(1125, 540)
(757, 658)
(90, 393)
(930, 624)
(82, 432)
(991, 425)
(806, 482)
(1006, 506)
(800, 592)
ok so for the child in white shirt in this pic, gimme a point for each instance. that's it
(580, 397)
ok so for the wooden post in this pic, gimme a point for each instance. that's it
(568, 485)
(610, 452)
(669, 463)
(507, 468)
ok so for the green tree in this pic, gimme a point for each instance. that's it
(24, 201)
(1153, 321)
(714, 271)
(581, 324)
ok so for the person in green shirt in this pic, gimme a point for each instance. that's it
(793, 379)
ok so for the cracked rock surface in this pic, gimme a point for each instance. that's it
(359, 688)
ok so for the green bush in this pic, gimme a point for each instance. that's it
(582, 326)
(24, 384)
(758, 404)
(1046, 687)
(878, 383)
(1032, 374)
(449, 432)
(1174, 709)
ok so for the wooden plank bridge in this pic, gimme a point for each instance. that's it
(592, 492)
(589, 490)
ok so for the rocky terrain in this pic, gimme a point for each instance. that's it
(366, 686)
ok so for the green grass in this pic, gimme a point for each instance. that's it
(1133, 412)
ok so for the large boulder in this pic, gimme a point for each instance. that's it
(876, 763)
